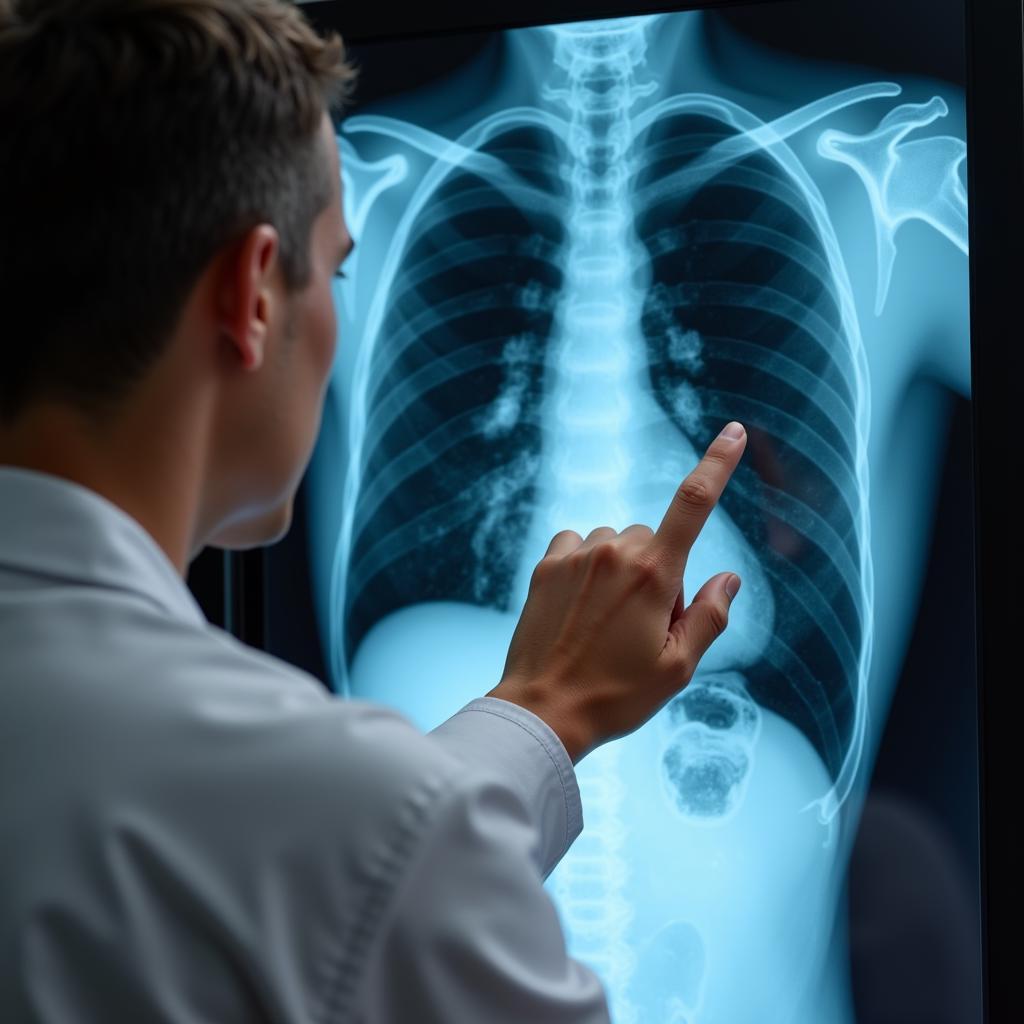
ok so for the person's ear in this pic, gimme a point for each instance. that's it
(246, 297)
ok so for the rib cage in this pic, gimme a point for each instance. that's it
(456, 381)
(743, 322)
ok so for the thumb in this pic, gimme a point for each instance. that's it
(705, 620)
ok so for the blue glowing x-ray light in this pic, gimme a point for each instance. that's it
(564, 287)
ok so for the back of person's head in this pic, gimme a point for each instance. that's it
(137, 138)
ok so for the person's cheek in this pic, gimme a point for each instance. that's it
(327, 336)
(330, 334)
(323, 344)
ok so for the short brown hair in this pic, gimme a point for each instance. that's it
(137, 137)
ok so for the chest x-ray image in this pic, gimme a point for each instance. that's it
(581, 251)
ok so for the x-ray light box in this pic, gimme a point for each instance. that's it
(582, 248)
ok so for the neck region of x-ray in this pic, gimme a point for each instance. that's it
(577, 259)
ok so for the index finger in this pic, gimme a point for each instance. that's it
(694, 499)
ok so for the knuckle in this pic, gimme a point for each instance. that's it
(718, 454)
(606, 553)
(718, 619)
(639, 528)
(646, 568)
(693, 494)
(543, 569)
(577, 559)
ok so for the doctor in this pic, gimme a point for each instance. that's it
(191, 830)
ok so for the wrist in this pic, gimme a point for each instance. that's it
(568, 725)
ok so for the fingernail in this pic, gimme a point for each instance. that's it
(732, 586)
(733, 431)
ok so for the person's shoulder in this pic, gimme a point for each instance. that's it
(185, 706)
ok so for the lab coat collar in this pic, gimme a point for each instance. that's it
(50, 526)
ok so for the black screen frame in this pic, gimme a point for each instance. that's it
(248, 593)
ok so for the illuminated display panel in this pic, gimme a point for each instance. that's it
(582, 249)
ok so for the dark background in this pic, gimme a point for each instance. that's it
(912, 36)
(920, 37)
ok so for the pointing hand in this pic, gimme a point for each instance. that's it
(605, 639)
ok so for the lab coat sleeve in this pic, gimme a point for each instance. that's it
(472, 934)
(525, 752)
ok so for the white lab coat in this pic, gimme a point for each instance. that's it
(193, 831)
